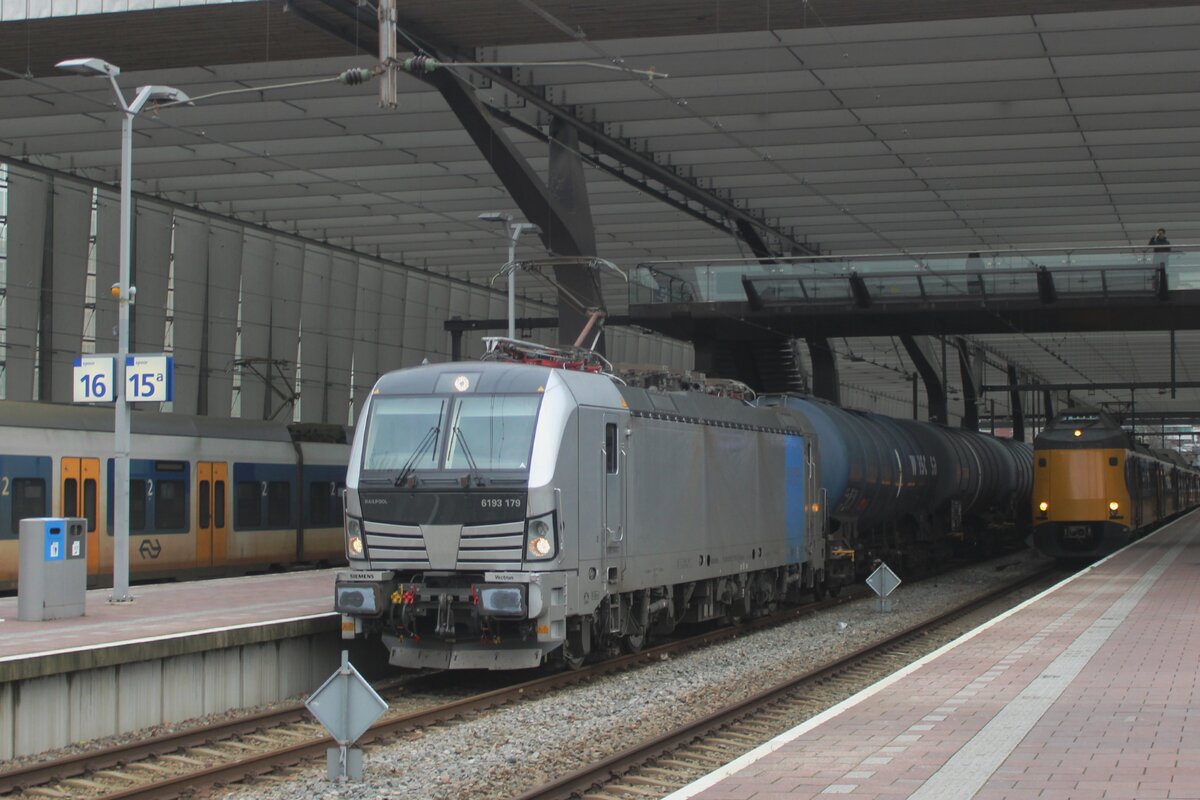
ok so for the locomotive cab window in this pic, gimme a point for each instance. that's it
(610, 448)
(403, 431)
(471, 432)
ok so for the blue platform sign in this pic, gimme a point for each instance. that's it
(149, 378)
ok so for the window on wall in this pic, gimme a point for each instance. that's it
(219, 504)
(247, 506)
(137, 506)
(319, 503)
(279, 504)
(170, 505)
(28, 500)
(204, 510)
(70, 500)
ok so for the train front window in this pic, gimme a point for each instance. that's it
(492, 432)
(404, 432)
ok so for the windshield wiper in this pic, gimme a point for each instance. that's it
(429, 441)
(472, 467)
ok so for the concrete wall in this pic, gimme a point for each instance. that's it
(49, 711)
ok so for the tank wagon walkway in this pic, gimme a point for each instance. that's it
(1087, 691)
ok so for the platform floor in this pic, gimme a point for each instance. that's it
(167, 611)
(1088, 690)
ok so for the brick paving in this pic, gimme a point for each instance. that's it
(169, 610)
(1090, 691)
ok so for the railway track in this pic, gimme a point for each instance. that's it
(173, 764)
(668, 762)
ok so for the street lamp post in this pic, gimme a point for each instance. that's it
(515, 229)
(124, 294)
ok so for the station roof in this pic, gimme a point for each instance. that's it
(847, 127)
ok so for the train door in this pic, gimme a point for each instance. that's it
(78, 494)
(212, 481)
(613, 509)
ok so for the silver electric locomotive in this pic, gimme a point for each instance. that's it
(499, 515)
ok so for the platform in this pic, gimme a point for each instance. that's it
(178, 651)
(1088, 690)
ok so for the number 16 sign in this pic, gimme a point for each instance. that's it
(94, 379)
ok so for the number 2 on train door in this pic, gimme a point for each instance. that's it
(211, 538)
(78, 497)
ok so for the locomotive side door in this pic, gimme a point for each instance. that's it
(612, 457)
(211, 519)
(78, 493)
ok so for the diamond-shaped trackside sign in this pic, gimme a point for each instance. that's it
(883, 581)
(346, 704)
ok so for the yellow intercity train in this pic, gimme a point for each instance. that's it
(1095, 488)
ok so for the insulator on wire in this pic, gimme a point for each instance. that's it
(355, 76)
(421, 64)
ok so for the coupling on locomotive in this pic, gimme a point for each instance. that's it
(501, 515)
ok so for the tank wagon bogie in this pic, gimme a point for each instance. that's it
(1096, 489)
(501, 514)
(207, 496)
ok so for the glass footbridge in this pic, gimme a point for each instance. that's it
(933, 292)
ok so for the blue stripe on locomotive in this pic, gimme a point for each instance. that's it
(794, 494)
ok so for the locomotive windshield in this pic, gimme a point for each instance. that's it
(404, 433)
(471, 432)
(492, 432)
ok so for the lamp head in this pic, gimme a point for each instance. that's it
(89, 66)
(496, 216)
(163, 94)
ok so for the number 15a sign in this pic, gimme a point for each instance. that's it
(149, 379)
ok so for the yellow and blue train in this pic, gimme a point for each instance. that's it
(208, 497)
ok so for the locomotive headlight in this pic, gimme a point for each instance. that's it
(540, 539)
(1078, 433)
(1113, 507)
(354, 540)
(1043, 506)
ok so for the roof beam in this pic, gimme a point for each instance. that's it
(602, 143)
